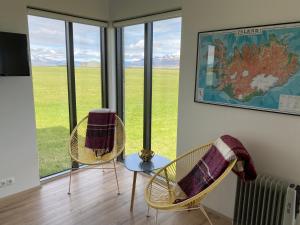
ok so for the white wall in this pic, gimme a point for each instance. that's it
(18, 154)
(97, 9)
(272, 139)
(120, 9)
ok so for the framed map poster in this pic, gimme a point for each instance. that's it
(251, 67)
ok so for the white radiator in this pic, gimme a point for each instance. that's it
(266, 201)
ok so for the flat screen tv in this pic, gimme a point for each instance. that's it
(13, 55)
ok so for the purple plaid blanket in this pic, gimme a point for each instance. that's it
(214, 163)
(100, 131)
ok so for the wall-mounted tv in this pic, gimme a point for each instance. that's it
(13, 55)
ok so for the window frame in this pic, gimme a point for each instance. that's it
(148, 68)
(69, 20)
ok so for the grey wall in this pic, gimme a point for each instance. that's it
(272, 139)
(97, 9)
(120, 9)
(18, 154)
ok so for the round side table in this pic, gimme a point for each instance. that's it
(134, 163)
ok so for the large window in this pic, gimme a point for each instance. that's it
(87, 68)
(66, 73)
(151, 55)
(48, 57)
(166, 53)
(134, 86)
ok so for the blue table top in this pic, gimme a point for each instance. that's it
(134, 163)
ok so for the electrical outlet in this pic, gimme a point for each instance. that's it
(2, 183)
(7, 182)
(10, 181)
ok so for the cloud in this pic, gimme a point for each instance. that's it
(47, 41)
(86, 36)
(134, 30)
(86, 55)
(134, 57)
(169, 26)
(137, 45)
(166, 39)
(48, 32)
(86, 41)
(45, 53)
(44, 56)
(166, 47)
(51, 33)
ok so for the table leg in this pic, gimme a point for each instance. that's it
(133, 191)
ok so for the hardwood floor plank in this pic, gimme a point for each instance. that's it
(93, 201)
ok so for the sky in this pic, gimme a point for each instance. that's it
(47, 42)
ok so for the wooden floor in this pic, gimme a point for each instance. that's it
(94, 201)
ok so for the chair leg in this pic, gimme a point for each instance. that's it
(101, 166)
(156, 217)
(148, 215)
(116, 177)
(205, 214)
(70, 180)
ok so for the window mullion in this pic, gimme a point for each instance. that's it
(120, 73)
(119, 41)
(148, 52)
(104, 69)
(71, 79)
(71, 75)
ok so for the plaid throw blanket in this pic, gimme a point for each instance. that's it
(214, 163)
(100, 131)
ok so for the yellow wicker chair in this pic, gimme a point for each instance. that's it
(85, 156)
(161, 191)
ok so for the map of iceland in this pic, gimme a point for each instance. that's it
(253, 67)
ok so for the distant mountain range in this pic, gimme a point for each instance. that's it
(164, 61)
(41, 61)
(168, 61)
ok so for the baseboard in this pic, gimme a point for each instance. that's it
(17, 196)
(217, 214)
(67, 173)
(56, 176)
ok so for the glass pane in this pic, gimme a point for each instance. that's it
(49, 75)
(134, 86)
(87, 68)
(166, 54)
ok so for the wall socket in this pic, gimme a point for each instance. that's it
(7, 181)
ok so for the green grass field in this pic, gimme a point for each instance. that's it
(52, 118)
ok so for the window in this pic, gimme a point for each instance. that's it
(48, 57)
(150, 84)
(66, 73)
(165, 78)
(134, 86)
(87, 68)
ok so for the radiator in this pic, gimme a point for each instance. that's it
(266, 201)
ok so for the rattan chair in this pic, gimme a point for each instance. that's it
(86, 158)
(162, 189)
